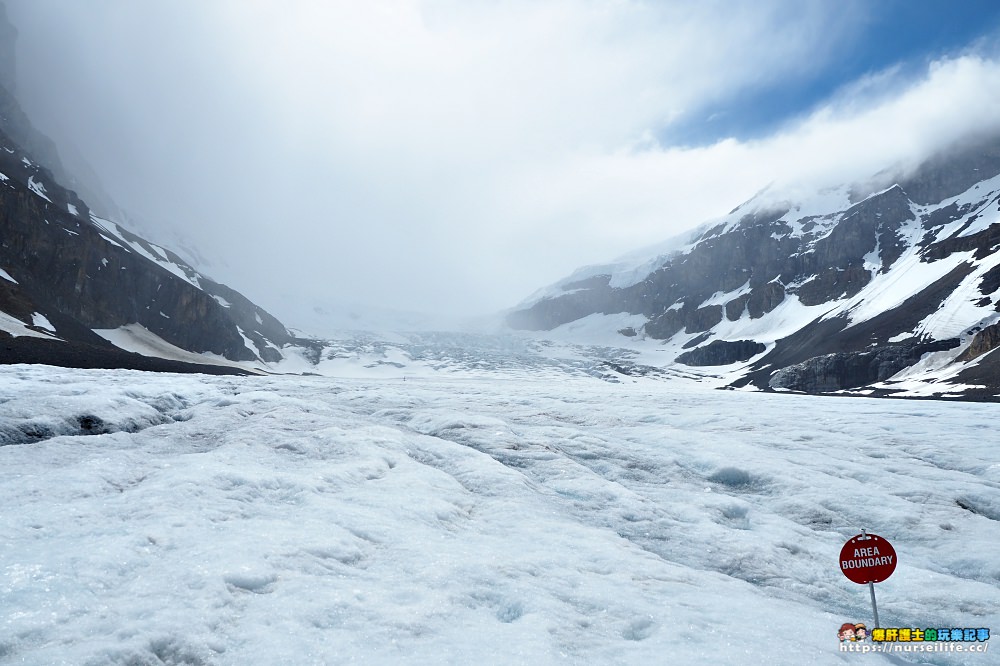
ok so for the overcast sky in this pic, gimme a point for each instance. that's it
(454, 156)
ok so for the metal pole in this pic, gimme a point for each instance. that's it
(871, 585)
(871, 588)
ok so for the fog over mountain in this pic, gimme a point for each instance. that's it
(434, 331)
(451, 158)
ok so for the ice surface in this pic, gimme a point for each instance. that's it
(281, 520)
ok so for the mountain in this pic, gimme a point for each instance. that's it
(77, 289)
(891, 290)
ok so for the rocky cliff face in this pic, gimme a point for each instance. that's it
(844, 291)
(81, 273)
(66, 273)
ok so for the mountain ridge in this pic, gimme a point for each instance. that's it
(70, 280)
(907, 271)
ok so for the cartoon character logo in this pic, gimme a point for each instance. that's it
(846, 633)
(860, 632)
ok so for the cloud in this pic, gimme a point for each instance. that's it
(455, 156)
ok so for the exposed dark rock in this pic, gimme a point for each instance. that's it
(762, 257)
(550, 313)
(985, 341)
(704, 318)
(945, 215)
(697, 340)
(721, 352)
(990, 282)
(833, 283)
(80, 355)
(628, 332)
(588, 283)
(843, 370)
(833, 335)
(982, 244)
(81, 277)
(954, 171)
(66, 264)
(736, 307)
(765, 298)
(666, 325)
(759, 251)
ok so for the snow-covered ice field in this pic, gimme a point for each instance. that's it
(291, 520)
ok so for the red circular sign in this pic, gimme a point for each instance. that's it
(867, 558)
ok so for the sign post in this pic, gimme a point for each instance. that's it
(871, 589)
(868, 559)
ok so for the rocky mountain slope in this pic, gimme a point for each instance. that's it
(864, 291)
(79, 290)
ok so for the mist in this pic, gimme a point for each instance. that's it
(448, 157)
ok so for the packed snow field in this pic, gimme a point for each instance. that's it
(190, 519)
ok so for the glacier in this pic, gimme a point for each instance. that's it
(187, 519)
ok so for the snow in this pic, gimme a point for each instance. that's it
(148, 250)
(41, 321)
(822, 205)
(248, 343)
(17, 328)
(3, 177)
(138, 339)
(721, 298)
(924, 378)
(959, 312)
(628, 269)
(6, 276)
(598, 328)
(789, 316)
(981, 196)
(112, 229)
(38, 188)
(908, 276)
(113, 242)
(223, 302)
(72, 209)
(309, 520)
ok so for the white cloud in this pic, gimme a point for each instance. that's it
(455, 156)
(629, 198)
